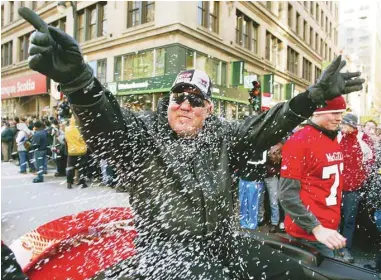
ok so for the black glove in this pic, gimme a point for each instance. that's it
(57, 55)
(332, 83)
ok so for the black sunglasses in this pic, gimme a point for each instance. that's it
(194, 100)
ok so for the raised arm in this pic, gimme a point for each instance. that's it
(107, 130)
(257, 134)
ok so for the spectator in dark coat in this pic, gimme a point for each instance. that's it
(39, 145)
(7, 137)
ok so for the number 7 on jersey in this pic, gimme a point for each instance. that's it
(327, 172)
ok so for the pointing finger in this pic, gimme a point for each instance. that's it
(34, 19)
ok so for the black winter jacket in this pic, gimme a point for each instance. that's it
(179, 188)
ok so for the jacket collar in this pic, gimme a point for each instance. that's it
(332, 134)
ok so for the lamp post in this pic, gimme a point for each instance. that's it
(61, 7)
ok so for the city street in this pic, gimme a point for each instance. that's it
(25, 205)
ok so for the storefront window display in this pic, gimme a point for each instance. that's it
(145, 64)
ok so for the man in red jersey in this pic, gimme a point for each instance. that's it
(311, 180)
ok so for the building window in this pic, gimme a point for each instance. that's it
(290, 15)
(23, 47)
(317, 73)
(311, 37)
(91, 22)
(189, 64)
(326, 51)
(145, 64)
(305, 31)
(2, 15)
(326, 25)
(81, 27)
(6, 54)
(292, 61)
(280, 8)
(159, 69)
(11, 11)
(321, 19)
(149, 10)
(297, 24)
(139, 12)
(22, 4)
(307, 68)
(254, 37)
(330, 30)
(246, 32)
(215, 68)
(321, 46)
(61, 23)
(102, 29)
(316, 42)
(34, 5)
(312, 4)
(208, 15)
(134, 8)
(268, 5)
(102, 70)
(273, 49)
(317, 12)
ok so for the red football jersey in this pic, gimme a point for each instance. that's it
(317, 162)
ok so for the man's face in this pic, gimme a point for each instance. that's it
(329, 121)
(345, 128)
(184, 119)
(370, 128)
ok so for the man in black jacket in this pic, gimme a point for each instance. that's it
(177, 163)
(39, 145)
(7, 137)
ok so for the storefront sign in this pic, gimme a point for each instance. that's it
(27, 85)
(163, 83)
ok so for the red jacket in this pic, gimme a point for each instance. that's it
(355, 166)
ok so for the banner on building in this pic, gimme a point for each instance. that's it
(28, 85)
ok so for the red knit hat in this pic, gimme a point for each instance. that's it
(335, 105)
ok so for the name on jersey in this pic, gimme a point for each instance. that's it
(334, 156)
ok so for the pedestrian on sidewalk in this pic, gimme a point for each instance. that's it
(77, 159)
(274, 157)
(24, 146)
(39, 145)
(6, 142)
(59, 150)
